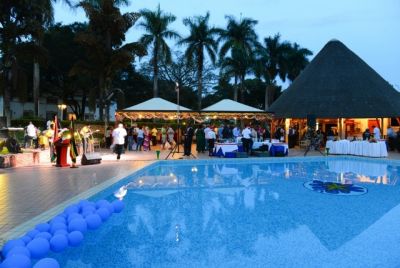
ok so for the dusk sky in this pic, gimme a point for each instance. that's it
(370, 28)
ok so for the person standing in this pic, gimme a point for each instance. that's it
(187, 145)
(108, 136)
(85, 134)
(119, 135)
(154, 133)
(200, 140)
(246, 139)
(171, 133)
(377, 133)
(140, 138)
(30, 135)
(211, 137)
(163, 136)
(206, 130)
(147, 138)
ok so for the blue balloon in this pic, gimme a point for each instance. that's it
(103, 213)
(77, 225)
(73, 216)
(43, 227)
(11, 244)
(86, 214)
(58, 243)
(38, 247)
(71, 209)
(93, 221)
(19, 250)
(102, 202)
(60, 232)
(32, 233)
(57, 226)
(83, 203)
(26, 239)
(75, 238)
(44, 235)
(57, 219)
(47, 263)
(88, 208)
(14, 261)
(118, 206)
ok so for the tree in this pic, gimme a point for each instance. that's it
(104, 46)
(240, 39)
(297, 60)
(156, 24)
(272, 61)
(202, 38)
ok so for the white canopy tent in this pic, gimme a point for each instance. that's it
(153, 108)
(230, 109)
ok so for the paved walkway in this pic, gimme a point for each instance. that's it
(29, 195)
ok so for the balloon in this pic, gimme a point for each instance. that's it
(88, 209)
(19, 250)
(47, 263)
(105, 204)
(103, 213)
(58, 243)
(118, 206)
(26, 239)
(71, 209)
(14, 261)
(87, 213)
(77, 225)
(75, 238)
(38, 247)
(58, 219)
(32, 233)
(61, 232)
(45, 235)
(93, 221)
(74, 216)
(43, 227)
(11, 244)
(57, 226)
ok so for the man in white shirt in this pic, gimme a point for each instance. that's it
(236, 133)
(119, 139)
(210, 138)
(30, 135)
(246, 139)
(377, 133)
(206, 130)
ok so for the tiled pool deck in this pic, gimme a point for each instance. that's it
(30, 195)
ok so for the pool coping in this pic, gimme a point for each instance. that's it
(106, 188)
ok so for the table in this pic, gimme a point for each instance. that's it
(277, 148)
(221, 148)
(360, 148)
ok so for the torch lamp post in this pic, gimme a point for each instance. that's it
(62, 108)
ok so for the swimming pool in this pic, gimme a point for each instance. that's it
(250, 213)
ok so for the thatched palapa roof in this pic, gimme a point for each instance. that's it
(338, 84)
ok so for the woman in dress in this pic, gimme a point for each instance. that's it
(170, 134)
(147, 138)
(200, 139)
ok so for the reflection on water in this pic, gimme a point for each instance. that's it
(246, 215)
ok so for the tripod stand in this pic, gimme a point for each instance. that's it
(175, 150)
(315, 142)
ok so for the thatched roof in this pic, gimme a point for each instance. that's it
(337, 83)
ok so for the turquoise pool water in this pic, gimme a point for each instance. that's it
(250, 213)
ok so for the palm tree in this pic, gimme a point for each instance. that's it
(200, 39)
(239, 35)
(104, 44)
(297, 60)
(237, 66)
(273, 61)
(240, 39)
(156, 24)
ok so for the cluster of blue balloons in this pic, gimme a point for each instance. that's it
(65, 229)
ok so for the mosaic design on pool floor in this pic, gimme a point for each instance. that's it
(328, 187)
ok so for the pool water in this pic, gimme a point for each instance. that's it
(257, 213)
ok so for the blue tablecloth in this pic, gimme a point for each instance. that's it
(278, 149)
